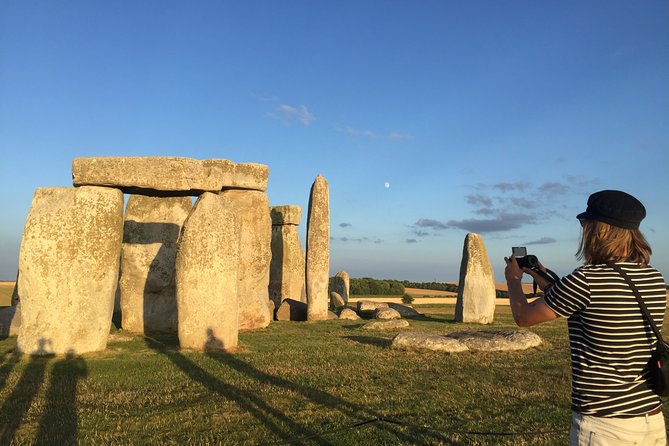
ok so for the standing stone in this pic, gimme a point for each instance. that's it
(318, 251)
(207, 265)
(341, 285)
(148, 286)
(68, 269)
(476, 292)
(287, 266)
(252, 210)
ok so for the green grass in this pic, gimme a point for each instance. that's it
(291, 380)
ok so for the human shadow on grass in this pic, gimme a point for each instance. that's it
(275, 420)
(58, 424)
(19, 400)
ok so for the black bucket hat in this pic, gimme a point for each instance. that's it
(615, 208)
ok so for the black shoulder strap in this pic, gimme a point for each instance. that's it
(644, 309)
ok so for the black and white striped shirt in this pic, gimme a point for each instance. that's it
(610, 341)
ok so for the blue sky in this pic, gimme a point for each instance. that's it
(484, 116)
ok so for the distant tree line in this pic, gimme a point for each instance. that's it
(438, 286)
(367, 286)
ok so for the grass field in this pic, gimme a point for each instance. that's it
(6, 290)
(289, 381)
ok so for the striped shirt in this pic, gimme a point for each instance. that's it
(609, 339)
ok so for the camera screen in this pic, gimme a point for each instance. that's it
(519, 251)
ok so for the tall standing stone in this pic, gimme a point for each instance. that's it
(476, 292)
(341, 285)
(252, 210)
(207, 265)
(148, 285)
(318, 251)
(68, 269)
(287, 265)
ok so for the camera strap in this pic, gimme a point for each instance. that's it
(549, 275)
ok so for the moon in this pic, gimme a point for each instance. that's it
(386, 185)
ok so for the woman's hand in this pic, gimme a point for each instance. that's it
(512, 270)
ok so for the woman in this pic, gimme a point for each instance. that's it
(609, 339)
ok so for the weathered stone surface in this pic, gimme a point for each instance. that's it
(415, 340)
(341, 285)
(272, 307)
(287, 265)
(332, 315)
(386, 325)
(476, 293)
(286, 215)
(404, 310)
(167, 176)
(68, 269)
(10, 321)
(252, 210)
(292, 310)
(250, 176)
(498, 340)
(318, 251)
(207, 266)
(348, 314)
(336, 301)
(386, 314)
(366, 308)
(147, 286)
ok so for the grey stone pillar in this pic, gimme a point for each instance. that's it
(68, 269)
(287, 266)
(476, 291)
(318, 251)
(207, 266)
(147, 285)
(252, 211)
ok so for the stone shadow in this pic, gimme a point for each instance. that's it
(318, 397)
(161, 276)
(370, 340)
(275, 420)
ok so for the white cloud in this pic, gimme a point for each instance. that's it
(289, 114)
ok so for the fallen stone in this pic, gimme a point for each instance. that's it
(167, 176)
(148, 300)
(498, 340)
(286, 215)
(68, 269)
(332, 315)
(318, 251)
(386, 325)
(404, 310)
(292, 310)
(207, 266)
(386, 314)
(367, 308)
(252, 212)
(476, 292)
(336, 301)
(416, 340)
(348, 314)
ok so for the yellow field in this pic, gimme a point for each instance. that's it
(6, 290)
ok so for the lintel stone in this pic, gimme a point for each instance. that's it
(286, 215)
(168, 176)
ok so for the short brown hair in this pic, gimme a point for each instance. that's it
(602, 243)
